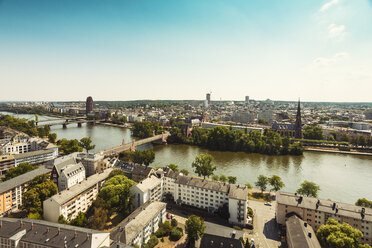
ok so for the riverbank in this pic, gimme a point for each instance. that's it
(126, 125)
(314, 149)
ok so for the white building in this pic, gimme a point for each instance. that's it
(148, 189)
(139, 225)
(76, 199)
(34, 157)
(91, 162)
(208, 195)
(70, 175)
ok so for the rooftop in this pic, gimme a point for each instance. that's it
(129, 228)
(213, 241)
(65, 195)
(342, 209)
(48, 234)
(238, 192)
(33, 153)
(203, 183)
(300, 234)
(148, 183)
(22, 179)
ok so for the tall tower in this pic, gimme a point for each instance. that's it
(246, 100)
(208, 98)
(89, 105)
(298, 124)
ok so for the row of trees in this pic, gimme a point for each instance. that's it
(19, 170)
(225, 139)
(223, 178)
(145, 157)
(23, 125)
(363, 202)
(74, 145)
(145, 129)
(306, 188)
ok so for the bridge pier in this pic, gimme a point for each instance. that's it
(79, 124)
(64, 125)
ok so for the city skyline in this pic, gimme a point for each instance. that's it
(122, 50)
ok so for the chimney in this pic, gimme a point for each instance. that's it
(305, 224)
(333, 206)
(32, 226)
(47, 229)
(59, 230)
(21, 224)
(75, 234)
(87, 236)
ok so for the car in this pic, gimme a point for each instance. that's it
(169, 216)
(268, 204)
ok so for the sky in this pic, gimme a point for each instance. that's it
(318, 50)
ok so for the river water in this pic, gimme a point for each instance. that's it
(340, 177)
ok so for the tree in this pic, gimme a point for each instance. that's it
(143, 129)
(249, 186)
(184, 171)
(215, 177)
(99, 218)
(52, 137)
(174, 223)
(231, 179)
(337, 235)
(262, 122)
(203, 165)
(86, 143)
(69, 146)
(309, 189)
(276, 182)
(116, 172)
(22, 168)
(363, 202)
(194, 227)
(80, 220)
(262, 182)
(223, 178)
(62, 220)
(145, 157)
(176, 234)
(313, 132)
(173, 167)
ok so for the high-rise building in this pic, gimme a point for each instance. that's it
(209, 98)
(298, 124)
(246, 100)
(89, 105)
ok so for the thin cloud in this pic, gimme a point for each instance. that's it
(324, 62)
(336, 31)
(328, 5)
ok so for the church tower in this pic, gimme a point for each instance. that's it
(298, 124)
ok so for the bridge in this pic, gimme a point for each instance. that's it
(67, 122)
(62, 118)
(113, 151)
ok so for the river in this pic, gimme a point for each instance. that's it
(340, 177)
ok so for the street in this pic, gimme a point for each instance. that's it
(265, 231)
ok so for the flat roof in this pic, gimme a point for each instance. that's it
(148, 183)
(203, 183)
(238, 192)
(67, 194)
(33, 153)
(343, 209)
(24, 178)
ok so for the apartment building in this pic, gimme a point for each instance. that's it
(317, 211)
(148, 189)
(21, 233)
(78, 198)
(139, 225)
(91, 162)
(6, 162)
(34, 157)
(207, 194)
(11, 191)
(67, 172)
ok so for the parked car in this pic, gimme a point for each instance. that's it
(268, 204)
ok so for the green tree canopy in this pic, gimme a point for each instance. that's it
(69, 146)
(276, 182)
(184, 171)
(363, 202)
(173, 167)
(86, 143)
(52, 137)
(143, 129)
(313, 132)
(215, 177)
(194, 228)
(22, 168)
(336, 235)
(231, 179)
(203, 165)
(223, 178)
(80, 220)
(262, 182)
(309, 189)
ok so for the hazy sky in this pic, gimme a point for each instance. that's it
(319, 50)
